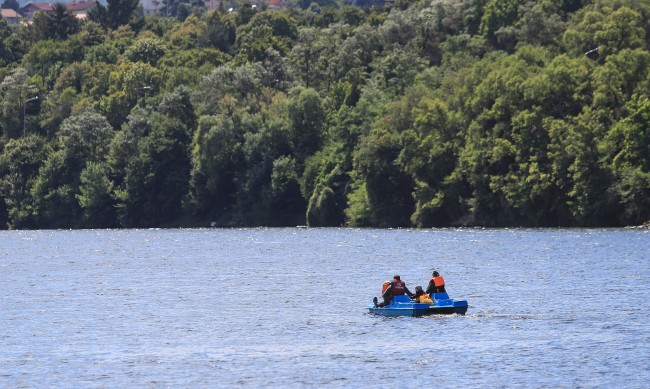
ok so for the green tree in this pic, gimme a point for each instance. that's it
(265, 30)
(220, 31)
(20, 162)
(575, 157)
(95, 197)
(264, 144)
(305, 56)
(398, 69)
(15, 90)
(286, 202)
(562, 88)
(126, 84)
(119, 12)
(351, 15)
(629, 147)
(124, 146)
(325, 183)
(528, 189)
(61, 22)
(55, 205)
(146, 50)
(47, 58)
(633, 187)
(225, 88)
(85, 137)
(12, 44)
(82, 139)
(116, 13)
(217, 160)
(245, 12)
(429, 154)
(178, 105)
(498, 14)
(609, 30)
(11, 4)
(387, 187)
(622, 75)
(189, 34)
(5, 32)
(39, 29)
(157, 174)
(538, 25)
(56, 109)
(307, 119)
(91, 34)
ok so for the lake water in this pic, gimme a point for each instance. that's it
(288, 308)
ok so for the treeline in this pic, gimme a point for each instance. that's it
(424, 113)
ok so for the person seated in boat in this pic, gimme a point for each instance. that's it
(436, 284)
(396, 288)
(421, 296)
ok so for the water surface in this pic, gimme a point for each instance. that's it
(287, 307)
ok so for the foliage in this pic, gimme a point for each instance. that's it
(11, 4)
(146, 50)
(115, 14)
(20, 162)
(417, 113)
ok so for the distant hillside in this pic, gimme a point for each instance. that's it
(410, 114)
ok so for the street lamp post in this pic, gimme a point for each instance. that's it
(25, 106)
(144, 89)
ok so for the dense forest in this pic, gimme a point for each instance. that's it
(423, 113)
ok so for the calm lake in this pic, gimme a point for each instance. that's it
(288, 308)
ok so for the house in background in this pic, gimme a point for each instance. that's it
(31, 8)
(80, 9)
(12, 16)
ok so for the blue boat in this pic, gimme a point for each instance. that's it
(404, 306)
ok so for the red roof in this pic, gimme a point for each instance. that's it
(38, 7)
(81, 6)
(9, 13)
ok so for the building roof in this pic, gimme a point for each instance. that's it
(81, 6)
(8, 13)
(39, 6)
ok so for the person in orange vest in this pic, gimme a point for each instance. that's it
(436, 284)
(395, 288)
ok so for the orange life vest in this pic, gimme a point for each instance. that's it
(385, 286)
(424, 299)
(437, 281)
(399, 288)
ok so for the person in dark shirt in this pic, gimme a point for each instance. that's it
(396, 288)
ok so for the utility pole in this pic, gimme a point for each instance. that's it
(144, 89)
(24, 107)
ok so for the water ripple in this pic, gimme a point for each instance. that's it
(287, 307)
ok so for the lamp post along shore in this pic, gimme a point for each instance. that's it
(24, 107)
(144, 90)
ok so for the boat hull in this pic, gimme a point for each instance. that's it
(403, 306)
(388, 311)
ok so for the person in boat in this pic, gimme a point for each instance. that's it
(396, 288)
(421, 296)
(384, 287)
(436, 284)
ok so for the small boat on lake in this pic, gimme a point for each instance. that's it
(404, 306)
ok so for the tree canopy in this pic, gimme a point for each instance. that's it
(426, 113)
